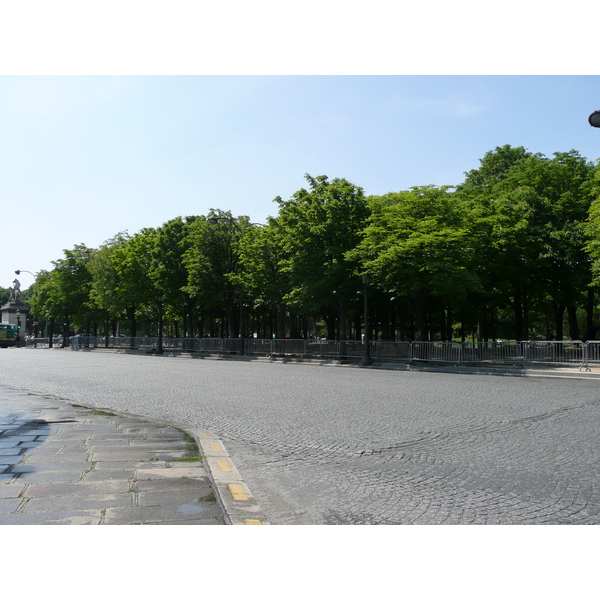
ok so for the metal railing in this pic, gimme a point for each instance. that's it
(572, 352)
(436, 351)
(496, 352)
(569, 352)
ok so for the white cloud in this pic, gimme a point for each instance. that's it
(456, 105)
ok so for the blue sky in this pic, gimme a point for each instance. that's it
(126, 117)
(83, 158)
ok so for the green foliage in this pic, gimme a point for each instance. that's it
(46, 300)
(592, 228)
(517, 240)
(134, 264)
(495, 168)
(212, 261)
(212, 256)
(530, 215)
(104, 290)
(316, 229)
(71, 286)
(261, 256)
(418, 244)
(169, 272)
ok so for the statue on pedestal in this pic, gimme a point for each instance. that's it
(15, 292)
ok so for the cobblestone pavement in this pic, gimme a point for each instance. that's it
(343, 445)
(63, 464)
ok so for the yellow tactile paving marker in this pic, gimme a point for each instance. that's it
(234, 495)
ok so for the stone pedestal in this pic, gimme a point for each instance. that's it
(15, 313)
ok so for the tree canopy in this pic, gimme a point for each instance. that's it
(512, 251)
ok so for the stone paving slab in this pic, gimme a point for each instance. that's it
(71, 517)
(161, 515)
(48, 476)
(110, 475)
(68, 464)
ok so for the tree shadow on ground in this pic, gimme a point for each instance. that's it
(17, 436)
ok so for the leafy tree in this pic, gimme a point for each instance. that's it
(417, 245)
(173, 239)
(592, 245)
(105, 279)
(260, 275)
(74, 280)
(498, 227)
(561, 199)
(47, 300)
(212, 260)
(495, 167)
(528, 214)
(317, 228)
(134, 263)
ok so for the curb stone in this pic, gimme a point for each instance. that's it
(239, 505)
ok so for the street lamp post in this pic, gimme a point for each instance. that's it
(242, 328)
(594, 119)
(160, 300)
(366, 361)
(65, 327)
(19, 271)
(18, 328)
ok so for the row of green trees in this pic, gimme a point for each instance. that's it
(511, 252)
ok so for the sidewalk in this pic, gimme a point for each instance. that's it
(62, 463)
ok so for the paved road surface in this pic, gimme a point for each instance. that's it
(333, 445)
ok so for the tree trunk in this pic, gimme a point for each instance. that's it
(294, 329)
(483, 327)
(357, 326)
(518, 306)
(342, 335)
(526, 316)
(573, 325)
(418, 309)
(132, 321)
(559, 311)
(50, 331)
(590, 333)
(280, 331)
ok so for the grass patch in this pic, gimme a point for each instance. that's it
(209, 498)
(191, 443)
(103, 413)
(186, 459)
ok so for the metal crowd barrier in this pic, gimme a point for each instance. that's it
(352, 348)
(400, 351)
(322, 348)
(436, 351)
(288, 346)
(496, 351)
(572, 352)
(593, 351)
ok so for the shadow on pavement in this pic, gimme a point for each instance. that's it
(17, 437)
